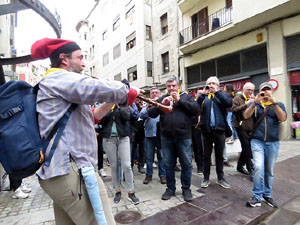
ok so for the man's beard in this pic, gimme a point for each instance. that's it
(74, 69)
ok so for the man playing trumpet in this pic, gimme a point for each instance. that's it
(267, 114)
(176, 136)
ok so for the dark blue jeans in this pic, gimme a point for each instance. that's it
(151, 144)
(181, 148)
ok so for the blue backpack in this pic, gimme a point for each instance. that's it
(22, 151)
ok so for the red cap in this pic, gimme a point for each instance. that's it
(52, 48)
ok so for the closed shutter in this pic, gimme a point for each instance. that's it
(293, 52)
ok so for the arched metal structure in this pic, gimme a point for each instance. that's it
(39, 8)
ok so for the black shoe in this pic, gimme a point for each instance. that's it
(147, 179)
(163, 180)
(177, 169)
(270, 202)
(199, 171)
(168, 194)
(253, 202)
(205, 183)
(242, 170)
(187, 195)
(133, 198)
(117, 197)
(141, 170)
(223, 183)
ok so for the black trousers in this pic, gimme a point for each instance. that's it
(197, 147)
(246, 154)
(140, 146)
(218, 139)
(14, 183)
(100, 152)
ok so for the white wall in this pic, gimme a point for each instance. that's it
(243, 9)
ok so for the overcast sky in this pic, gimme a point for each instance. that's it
(31, 26)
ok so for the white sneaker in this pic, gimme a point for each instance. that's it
(145, 166)
(102, 173)
(25, 188)
(19, 194)
(154, 165)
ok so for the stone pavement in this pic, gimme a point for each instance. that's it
(213, 205)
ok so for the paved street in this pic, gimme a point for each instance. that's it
(37, 209)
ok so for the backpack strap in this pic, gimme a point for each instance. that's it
(255, 126)
(59, 128)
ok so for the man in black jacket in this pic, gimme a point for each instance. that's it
(176, 136)
(213, 123)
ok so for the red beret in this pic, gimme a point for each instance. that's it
(52, 48)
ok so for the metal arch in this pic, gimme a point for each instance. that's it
(39, 8)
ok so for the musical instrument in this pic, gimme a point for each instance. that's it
(164, 108)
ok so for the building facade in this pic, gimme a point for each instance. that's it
(237, 42)
(135, 40)
(7, 40)
(119, 45)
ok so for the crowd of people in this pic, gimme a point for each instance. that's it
(131, 131)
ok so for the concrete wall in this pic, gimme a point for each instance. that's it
(244, 9)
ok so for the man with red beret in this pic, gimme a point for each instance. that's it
(62, 85)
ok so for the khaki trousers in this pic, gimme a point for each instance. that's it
(68, 209)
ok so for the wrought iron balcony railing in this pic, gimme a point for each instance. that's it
(207, 25)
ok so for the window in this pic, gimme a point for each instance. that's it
(92, 70)
(117, 51)
(104, 35)
(229, 65)
(118, 77)
(193, 74)
(164, 23)
(165, 62)
(85, 36)
(130, 11)
(130, 41)
(132, 73)
(149, 69)
(92, 31)
(92, 51)
(148, 33)
(105, 59)
(116, 22)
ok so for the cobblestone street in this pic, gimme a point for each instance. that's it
(37, 209)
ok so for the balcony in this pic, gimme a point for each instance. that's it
(211, 23)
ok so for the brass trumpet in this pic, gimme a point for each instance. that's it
(164, 108)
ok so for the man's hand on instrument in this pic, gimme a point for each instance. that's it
(167, 100)
(175, 95)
